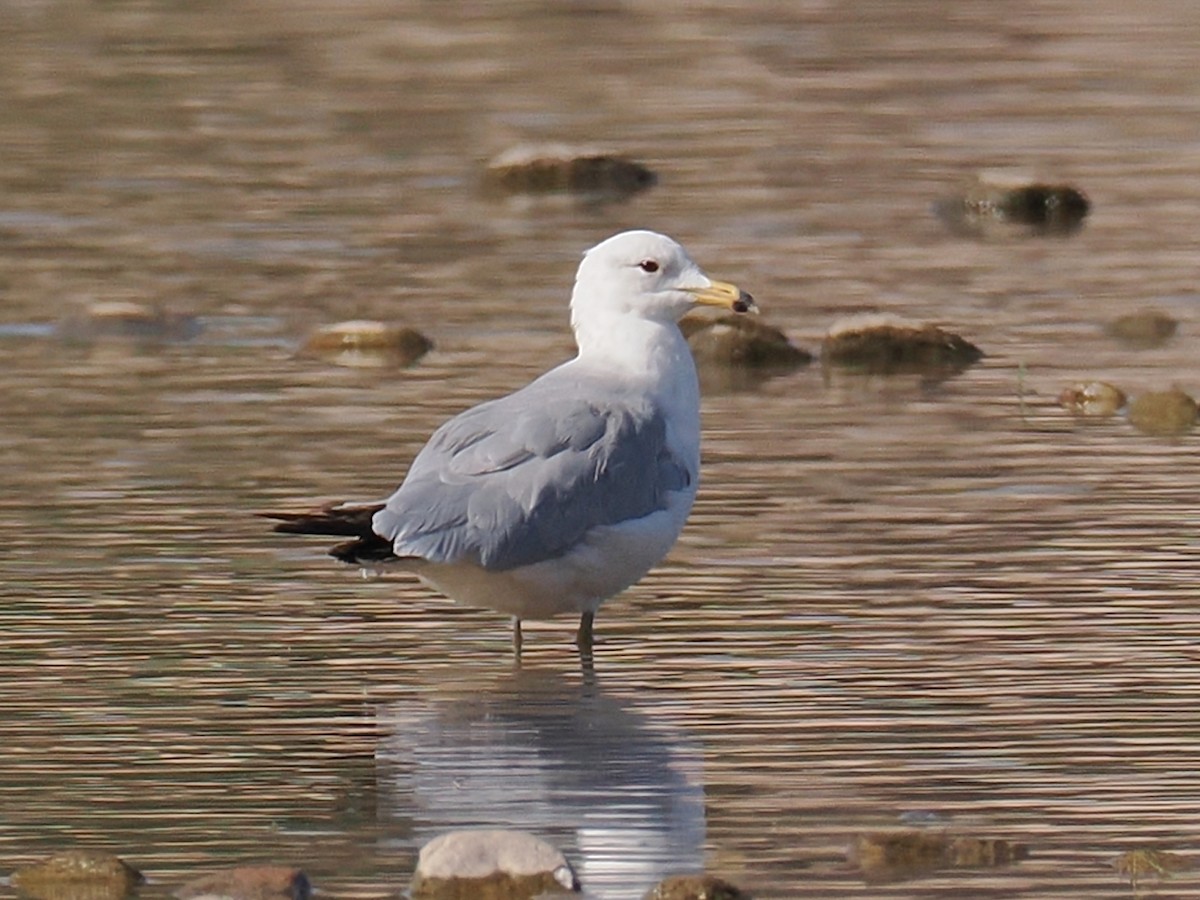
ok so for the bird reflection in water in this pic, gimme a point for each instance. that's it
(618, 792)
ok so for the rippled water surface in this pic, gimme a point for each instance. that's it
(898, 600)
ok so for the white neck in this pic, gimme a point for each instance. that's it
(637, 345)
(655, 353)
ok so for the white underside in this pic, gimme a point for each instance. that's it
(609, 559)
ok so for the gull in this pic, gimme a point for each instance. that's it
(554, 498)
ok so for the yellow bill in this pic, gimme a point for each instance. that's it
(725, 296)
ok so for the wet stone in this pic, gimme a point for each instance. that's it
(251, 882)
(491, 864)
(1149, 862)
(898, 855)
(366, 344)
(980, 853)
(559, 169)
(127, 320)
(78, 875)
(695, 887)
(887, 345)
(1092, 399)
(1000, 202)
(1143, 330)
(1163, 413)
(741, 341)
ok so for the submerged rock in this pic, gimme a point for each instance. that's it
(253, 882)
(559, 169)
(898, 855)
(78, 875)
(367, 344)
(695, 887)
(490, 864)
(741, 341)
(1014, 202)
(1163, 413)
(127, 320)
(1144, 329)
(887, 345)
(1138, 865)
(1092, 399)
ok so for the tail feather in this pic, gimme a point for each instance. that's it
(339, 520)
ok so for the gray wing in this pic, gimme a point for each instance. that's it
(522, 479)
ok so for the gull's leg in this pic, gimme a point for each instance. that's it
(587, 667)
(516, 637)
(583, 637)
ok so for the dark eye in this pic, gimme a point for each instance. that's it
(648, 265)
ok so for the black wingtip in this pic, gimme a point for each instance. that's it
(363, 551)
(335, 519)
(338, 520)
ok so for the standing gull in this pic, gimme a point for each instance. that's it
(556, 497)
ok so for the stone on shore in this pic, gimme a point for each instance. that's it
(490, 864)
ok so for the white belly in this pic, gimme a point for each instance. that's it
(609, 559)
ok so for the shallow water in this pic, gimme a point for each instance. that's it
(897, 600)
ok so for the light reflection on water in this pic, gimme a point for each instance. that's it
(897, 600)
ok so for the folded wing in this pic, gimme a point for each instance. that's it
(523, 479)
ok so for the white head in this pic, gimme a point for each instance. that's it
(647, 276)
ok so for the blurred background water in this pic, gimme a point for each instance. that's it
(898, 599)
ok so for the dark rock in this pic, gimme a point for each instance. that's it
(885, 345)
(736, 340)
(78, 875)
(557, 169)
(695, 887)
(1014, 202)
(897, 855)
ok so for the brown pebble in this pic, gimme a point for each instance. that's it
(999, 202)
(1092, 399)
(741, 341)
(1150, 862)
(251, 882)
(1163, 413)
(366, 344)
(896, 855)
(976, 853)
(78, 875)
(885, 345)
(695, 887)
(1143, 329)
(558, 169)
